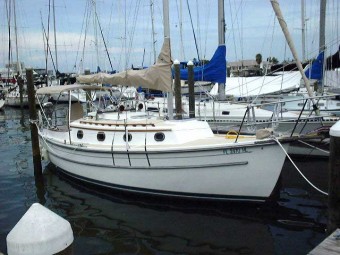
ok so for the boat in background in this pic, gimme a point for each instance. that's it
(2, 103)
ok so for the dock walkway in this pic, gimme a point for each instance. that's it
(329, 246)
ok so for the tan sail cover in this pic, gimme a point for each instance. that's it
(157, 77)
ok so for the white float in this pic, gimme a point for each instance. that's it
(39, 231)
(335, 130)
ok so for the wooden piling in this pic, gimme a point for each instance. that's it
(33, 119)
(191, 85)
(88, 93)
(178, 92)
(334, 179)
(20, 82)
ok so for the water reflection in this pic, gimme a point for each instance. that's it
(107, 222)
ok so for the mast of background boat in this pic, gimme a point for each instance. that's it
(55, 38)
(8, 12)
(182, 54)
(19, 71)
(96, 24)
(303, 26)
(322, 43)
(221, 40)
(167, 35)
(16, 40)
(289, 40)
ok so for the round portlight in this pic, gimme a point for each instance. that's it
(101, 136)
(129, 137)
(80, 134)
(159, 137)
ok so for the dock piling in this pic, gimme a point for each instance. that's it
(191, 85)
(33, 119)
(178, 93)
(334, 179)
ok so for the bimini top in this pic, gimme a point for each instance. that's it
(62, 88)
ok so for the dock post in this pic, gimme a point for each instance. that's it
(334, 179)
(191, 85)
(34, 128)
(20, 82)
(88, 93)
(178, 92)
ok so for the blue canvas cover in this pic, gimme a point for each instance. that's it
(315, 71)
(214, 71)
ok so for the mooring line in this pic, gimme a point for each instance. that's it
(304, 177)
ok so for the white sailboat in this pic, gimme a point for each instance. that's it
(143, 154)
(2, 103)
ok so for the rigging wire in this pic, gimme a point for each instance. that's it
(233, 32)
(193, 31)
(79, 41)
(8, 9)
(199, 43)
(134, 21)
(101, 31)
(179, 13)
(48, 49)
(47, 39)
(207, 19)
(87, 21)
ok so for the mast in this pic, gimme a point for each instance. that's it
(182, 54)
(167, 35)
(153, 31)
(221, 40)
(95, 25)
(8, 12)
(290, 42)
(322, 40)
(303, 30)
(55, 38)
(322, 45)
(16, 40)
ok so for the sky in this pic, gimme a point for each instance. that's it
(124, 34)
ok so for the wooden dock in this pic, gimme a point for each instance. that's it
(329, 246)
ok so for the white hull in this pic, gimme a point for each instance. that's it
(225, 116)
(280, 126)
(200, 87)
(212, 167)
(14, 101)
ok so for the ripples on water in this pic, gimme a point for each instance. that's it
(108, 222)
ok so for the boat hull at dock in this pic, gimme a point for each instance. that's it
(248, 171)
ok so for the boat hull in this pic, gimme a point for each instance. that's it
(241, 172)
(280, 126)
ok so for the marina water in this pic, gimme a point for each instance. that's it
(113, 222)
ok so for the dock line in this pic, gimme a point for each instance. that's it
(299, 171)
